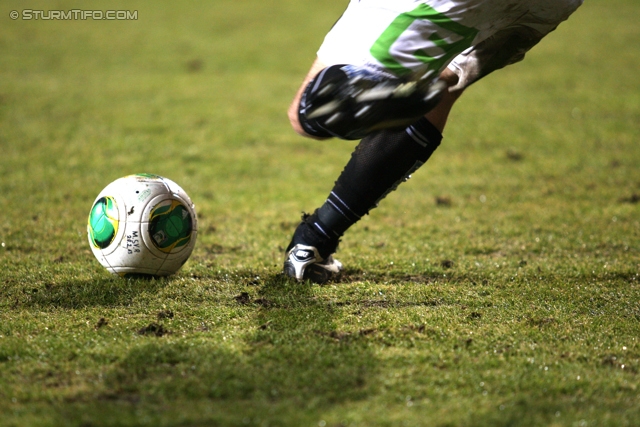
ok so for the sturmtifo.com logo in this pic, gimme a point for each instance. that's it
(74, 15)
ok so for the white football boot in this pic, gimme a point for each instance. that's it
(304, 262)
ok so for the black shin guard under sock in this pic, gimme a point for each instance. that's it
(377, 166)
(380, 162)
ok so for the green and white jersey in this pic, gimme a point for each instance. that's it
(402, 36)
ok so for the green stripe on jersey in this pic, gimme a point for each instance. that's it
(381, 49)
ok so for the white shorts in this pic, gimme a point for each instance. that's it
(471, 37)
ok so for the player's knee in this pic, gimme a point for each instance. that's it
(449, 77)
(440, 113)
(294, 121)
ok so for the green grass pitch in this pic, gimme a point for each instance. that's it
(498, 287)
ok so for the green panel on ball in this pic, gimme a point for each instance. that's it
(170, 226)
(148, 175)
(103, 222)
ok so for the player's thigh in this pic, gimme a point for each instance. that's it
(509, 44)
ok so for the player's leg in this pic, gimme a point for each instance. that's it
(439, 115)
(381, 161)
(384, 159)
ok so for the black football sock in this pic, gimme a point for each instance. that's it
(311, 232)
(380, 162)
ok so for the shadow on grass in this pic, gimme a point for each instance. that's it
(351, 275)
(481, 276)
(74, 294)
(289, 357)
(283, 347)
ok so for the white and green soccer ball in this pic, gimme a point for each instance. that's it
(142, 224)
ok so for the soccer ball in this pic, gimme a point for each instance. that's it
(142, 224)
